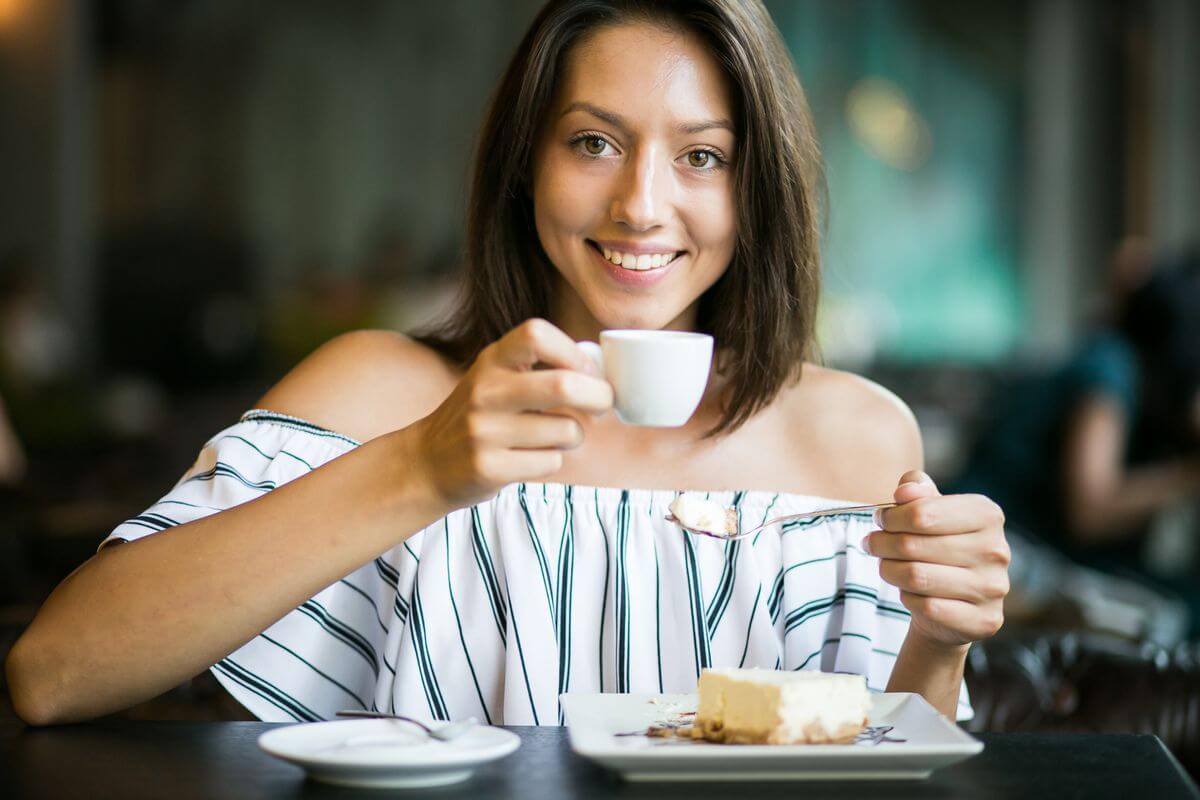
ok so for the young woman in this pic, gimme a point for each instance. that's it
(455, 526)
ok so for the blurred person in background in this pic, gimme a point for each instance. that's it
(1083, 457)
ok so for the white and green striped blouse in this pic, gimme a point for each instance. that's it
(496, 609)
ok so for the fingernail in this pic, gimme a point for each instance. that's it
(924, 478)
(866, 545)
(877, 518)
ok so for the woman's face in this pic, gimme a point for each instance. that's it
(633, 180)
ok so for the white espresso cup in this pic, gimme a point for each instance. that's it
(658, 377)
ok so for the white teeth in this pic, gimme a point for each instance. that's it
(638, 262)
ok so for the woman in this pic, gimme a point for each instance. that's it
(456, 527)
(1085, 455)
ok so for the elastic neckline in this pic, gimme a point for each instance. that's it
(603, 495)
(662, 498)
(274, 417)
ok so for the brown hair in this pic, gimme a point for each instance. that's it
(761, 311)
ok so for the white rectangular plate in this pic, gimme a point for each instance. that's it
(593, 720)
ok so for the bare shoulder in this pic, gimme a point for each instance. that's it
(862, 436)
(364, 384)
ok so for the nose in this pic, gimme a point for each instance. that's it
(642, 193)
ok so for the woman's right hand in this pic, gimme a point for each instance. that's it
(506, 419)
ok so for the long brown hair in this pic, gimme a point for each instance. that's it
(761, 311)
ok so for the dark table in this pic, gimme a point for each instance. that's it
(126, 759)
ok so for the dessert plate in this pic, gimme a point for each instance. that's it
(906, 739)
(380, 753)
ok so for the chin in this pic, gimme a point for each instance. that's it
(634, 319)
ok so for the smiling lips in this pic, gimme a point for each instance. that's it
(638, 262)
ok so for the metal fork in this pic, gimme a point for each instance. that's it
(445, 733)
(825, 512)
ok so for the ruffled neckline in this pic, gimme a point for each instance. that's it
(601, 495)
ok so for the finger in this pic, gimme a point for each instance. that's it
(532, 430)
(964, 550)
(537, 341)
(953, 513)
(940, 580)
(971, 621)
(535, 430)
(533, 464)
(977, 549)
(913, 485)
(552, 388)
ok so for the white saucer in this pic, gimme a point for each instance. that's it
(380, 753)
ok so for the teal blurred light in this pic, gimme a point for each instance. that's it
(921, 147)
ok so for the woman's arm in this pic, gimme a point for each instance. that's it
(1104, 499)
(949, 558)
(882, 432)
(141, 617)
(932, 671)
(947, 555)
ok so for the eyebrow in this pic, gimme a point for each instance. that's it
(617, 121)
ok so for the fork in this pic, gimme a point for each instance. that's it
(445, 733)
(825, 512)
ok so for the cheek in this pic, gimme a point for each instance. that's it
(712, 221)
(565, 202)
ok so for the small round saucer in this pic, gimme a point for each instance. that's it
(380, 753)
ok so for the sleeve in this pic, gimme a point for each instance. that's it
(261, 451)
(325, 654)
(1108, 366)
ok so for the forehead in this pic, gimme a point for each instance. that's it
(648, 71)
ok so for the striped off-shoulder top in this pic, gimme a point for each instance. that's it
(496, 609)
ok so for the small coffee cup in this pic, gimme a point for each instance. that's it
(658, 377)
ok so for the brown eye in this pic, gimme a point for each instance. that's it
(699, 159)
(594, 145)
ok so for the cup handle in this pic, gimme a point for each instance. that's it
(593, 351)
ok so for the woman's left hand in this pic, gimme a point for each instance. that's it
(948, 557)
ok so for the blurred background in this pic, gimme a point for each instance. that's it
(194, 195)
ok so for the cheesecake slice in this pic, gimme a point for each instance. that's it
(695, 512)
(765, 706)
